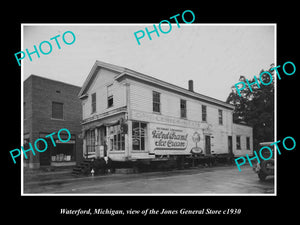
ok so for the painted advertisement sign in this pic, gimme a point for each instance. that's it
(169, 138)
(164, 139)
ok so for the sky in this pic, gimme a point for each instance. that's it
(214, 56)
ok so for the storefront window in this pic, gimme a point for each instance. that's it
(117, 138)
(90, 141)
(139, 130)
(63, 152)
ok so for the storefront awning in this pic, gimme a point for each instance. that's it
(112, 123)
(92, 126)
(108, 121)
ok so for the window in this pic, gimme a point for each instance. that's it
(238, 142)
(204, 113)
(248, 143)
(57, 110)
(182, 108)
(116, 138)
(110, 96)
(90, 141)
(110, 101)
(156, 101)
(93, 102)
(220, 117)
(63, 152)
(139, 130)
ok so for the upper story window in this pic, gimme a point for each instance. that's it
(204, 113)
(57, 110)
(182, 108)
(110, 96)
(220, 117)
(93, 102)
(156, 101)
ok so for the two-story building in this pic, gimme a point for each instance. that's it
(49, 106)
(128, 115)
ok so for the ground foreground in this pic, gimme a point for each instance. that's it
(213, 180)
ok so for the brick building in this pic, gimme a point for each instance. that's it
(128, 115)
(50, 105)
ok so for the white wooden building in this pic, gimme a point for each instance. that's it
(128, 115)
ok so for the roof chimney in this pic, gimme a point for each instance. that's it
(191, 85)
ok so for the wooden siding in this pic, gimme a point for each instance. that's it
(141, 100)
(103, 79)
(242, 131)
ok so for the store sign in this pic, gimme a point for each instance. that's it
(69, 142)
(169, 138)
(150, 117)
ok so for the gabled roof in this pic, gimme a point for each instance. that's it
(131, 74)
(96, 67)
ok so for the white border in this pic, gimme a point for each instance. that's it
(150, 194)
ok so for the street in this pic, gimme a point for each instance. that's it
(211, 180)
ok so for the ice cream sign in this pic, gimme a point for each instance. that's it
(196, 139)
(165, 138)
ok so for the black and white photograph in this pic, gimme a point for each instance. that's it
(160, 117)
(169, 112)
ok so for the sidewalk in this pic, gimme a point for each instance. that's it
(49, 174)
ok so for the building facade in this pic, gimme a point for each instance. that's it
(128, 115)
(48, 107)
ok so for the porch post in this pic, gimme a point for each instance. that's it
(128, 140)
(84, 147)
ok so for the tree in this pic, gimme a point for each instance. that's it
(255, 108)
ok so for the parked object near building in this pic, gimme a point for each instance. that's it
(265, 168)
(129, 116)
(48, 106)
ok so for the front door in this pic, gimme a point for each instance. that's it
(230, 144)
(207, 145)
